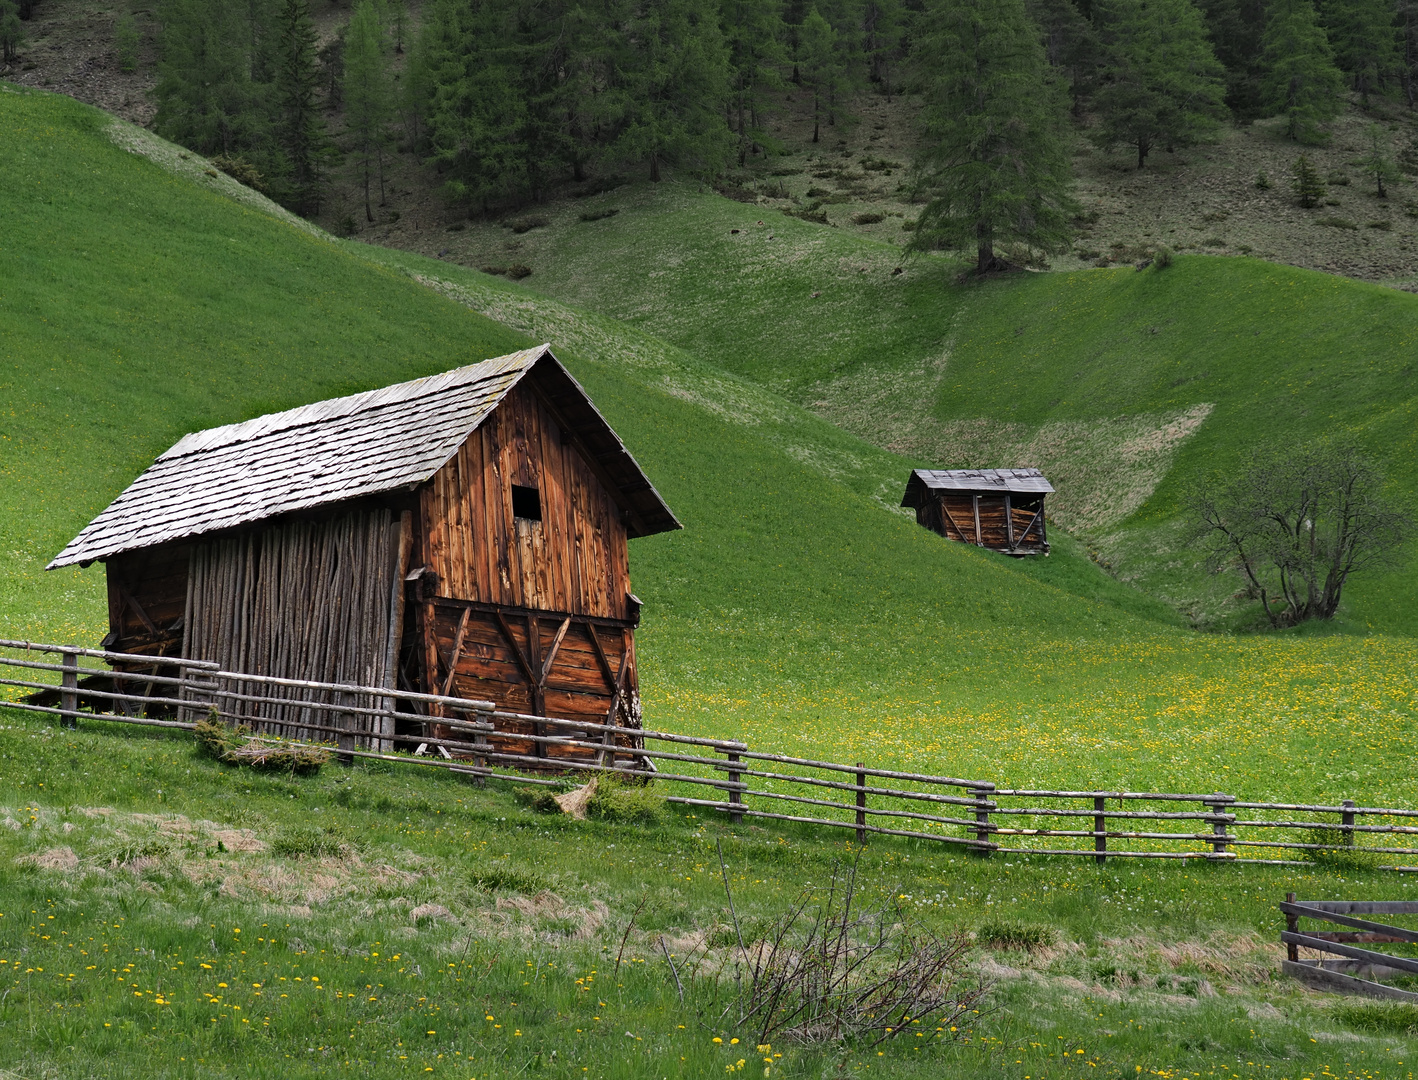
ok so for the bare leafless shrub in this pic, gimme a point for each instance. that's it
(1297, 522)
(833, 969)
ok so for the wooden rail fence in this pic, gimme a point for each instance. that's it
(1356, 969)
(722, 776)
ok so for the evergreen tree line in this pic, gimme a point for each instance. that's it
(508, 98)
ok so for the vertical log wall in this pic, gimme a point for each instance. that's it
(301, 600)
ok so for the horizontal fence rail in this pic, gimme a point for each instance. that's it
(721, 776)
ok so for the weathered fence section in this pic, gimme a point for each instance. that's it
(1357, 968)
(721, 776)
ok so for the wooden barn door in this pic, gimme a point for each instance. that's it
(537, 664)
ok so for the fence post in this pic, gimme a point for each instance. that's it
(861, 803)
(1346, 821)
(1292, 923)
(1100, 829)
(982, 816)
(1217, 805)
(480, 742)
(69, 689)
(735, 795)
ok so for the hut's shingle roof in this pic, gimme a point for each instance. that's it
(345, 448)
(977, 481)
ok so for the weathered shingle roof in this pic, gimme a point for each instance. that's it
(349, 447)
(975, 481)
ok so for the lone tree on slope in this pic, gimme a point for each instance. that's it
(1297, 524)
(1162, 84)
(994, 157)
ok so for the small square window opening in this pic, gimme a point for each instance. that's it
(526, 503)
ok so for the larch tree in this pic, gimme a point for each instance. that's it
(1301, 81)
(369, 96)
(300, 127)
(1161, 83)
(994, 157)
(753, 31)
(206, 99)
(12, 31)
(817, 55)
(677, 84)
(1365, 42)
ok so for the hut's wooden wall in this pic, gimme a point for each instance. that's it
(574, 560)
(953, 516)
(147, 598)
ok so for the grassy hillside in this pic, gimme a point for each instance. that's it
(796, 607)
(1124, 386)
(147, 892)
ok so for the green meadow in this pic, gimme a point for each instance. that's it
(799, 609)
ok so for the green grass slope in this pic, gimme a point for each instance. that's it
(796, 608)
(1125, 386)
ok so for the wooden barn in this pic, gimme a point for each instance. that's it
(999, 509)
(460, 534)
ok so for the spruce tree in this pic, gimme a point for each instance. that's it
(1070, 44)
(1301, 82)
(1378, 162)
(753, 31)
(368, 94)
(206, 99)
(817, 55)
(676, 88)
(883, 28)
(1162, 85)
(1306, 183)
(12, 31)
(1365, 42)
(994, 158)
(1236, 28)
(300, 129)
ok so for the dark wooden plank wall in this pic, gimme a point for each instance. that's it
(574, 560)
(953, 516)
(147, 596)
(501, 654)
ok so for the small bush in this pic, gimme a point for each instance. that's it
(527, 224)
(909, 225)
(1386, 226)
(867, 218)
(600, 215)
(125, 43)
(241, 170)
(236, 746)
(1163, 258)
(598, 186)
(507, 879)
(813, 213)
(1341, 856)
(295, 841)
(494, 270)
(539, 800)
(817, 192)
(729, 190)
(786, 172)
(624, 801)
(1213, 242)
(1263, 181)
(457, 226)
(1016, 935)
(518, 271)
(1308, 187)
(1389, 1017)
(1335, 222)
(1338, 179)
